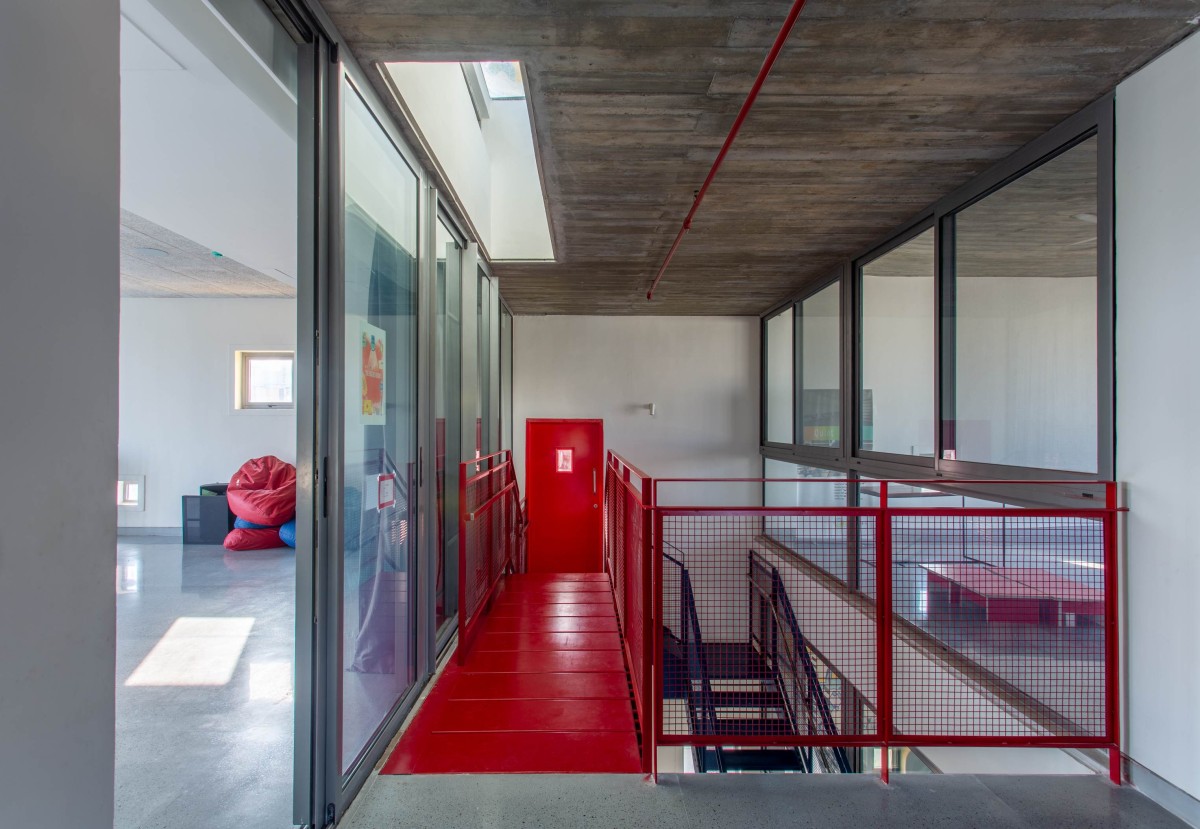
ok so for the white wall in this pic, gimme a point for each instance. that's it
(898, 362)
(491, 164)
(59, 289)
(520, 229)
(179, 426)
(701, 372)
(1026, 367)
(1158, 401)
(436, 95)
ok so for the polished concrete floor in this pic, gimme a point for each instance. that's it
(760, 801)
(205, 642)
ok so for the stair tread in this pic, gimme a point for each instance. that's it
(747, 699)
(752, 725)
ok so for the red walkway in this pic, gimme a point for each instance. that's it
(543, 690)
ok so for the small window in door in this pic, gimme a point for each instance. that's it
(264, 379)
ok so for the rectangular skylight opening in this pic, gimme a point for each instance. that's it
(504, 80)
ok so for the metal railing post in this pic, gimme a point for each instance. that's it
(462, 562)
(650, 726)
(883, 614)
(1112, 633)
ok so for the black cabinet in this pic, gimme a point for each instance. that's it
(206, 519)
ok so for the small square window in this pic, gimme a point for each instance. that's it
(265, 379)
(131, 492)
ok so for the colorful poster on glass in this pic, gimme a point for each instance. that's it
(374, 394)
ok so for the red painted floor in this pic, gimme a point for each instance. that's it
(543, 689)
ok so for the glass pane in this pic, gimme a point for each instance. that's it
(379, 443)
(821, 367)
(270, 379)
(779, 378)
(506, 379)
(821, 539)
(448, 402)
(1025, 294)
(483, 331)
(493, 422)
(897, 350)
(261, 32)
(503, 80)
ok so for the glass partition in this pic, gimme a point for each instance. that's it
(483, 340)
(1023, 317)
(779, 378)
(821, 540)
(448, 401)
(506, 379)
(379, 438)
(897, 358)
(821, 368)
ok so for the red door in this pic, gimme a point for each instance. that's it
(564, 468)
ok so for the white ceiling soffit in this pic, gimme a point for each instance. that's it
(158, 263)
(490, 159)
(208, 146)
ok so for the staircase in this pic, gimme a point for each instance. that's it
(766, 686)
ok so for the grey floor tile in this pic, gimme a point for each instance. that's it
(527, 801)
(1080, 803)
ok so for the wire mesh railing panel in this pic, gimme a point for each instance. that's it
(1014, 605)
(492, 530)
(761, 646)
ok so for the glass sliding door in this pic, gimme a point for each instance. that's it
(447, 402)
(506, 378)
(483, 335)
(492, 424)
(377, 638)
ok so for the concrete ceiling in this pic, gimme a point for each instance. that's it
(875, 110)
(158, 263)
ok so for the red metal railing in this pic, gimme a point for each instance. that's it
(628, 557)
(904, 621)
(491, 533)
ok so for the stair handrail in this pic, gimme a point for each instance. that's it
(816, 690)
(781, 605)
(689, 629)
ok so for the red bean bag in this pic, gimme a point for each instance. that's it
(263, 491)
(243, 540)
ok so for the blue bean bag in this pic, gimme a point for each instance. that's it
(243, 524)
(287, 533)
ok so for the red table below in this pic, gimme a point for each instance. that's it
(1029, 595)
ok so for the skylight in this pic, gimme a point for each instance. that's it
(503, 79)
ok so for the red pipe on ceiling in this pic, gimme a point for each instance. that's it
(776, 48)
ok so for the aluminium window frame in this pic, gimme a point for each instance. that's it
(1094, 120)
(817, 455)
(244, 358)
(764, 353)
(917, 228)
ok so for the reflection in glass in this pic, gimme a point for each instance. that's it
(820, 368)
(897, 350)
(262, 34)
(821, 540)
(1025, 293)
(448, 393)
(379, 441)
(778, 378)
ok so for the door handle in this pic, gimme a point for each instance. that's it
(593, 481)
